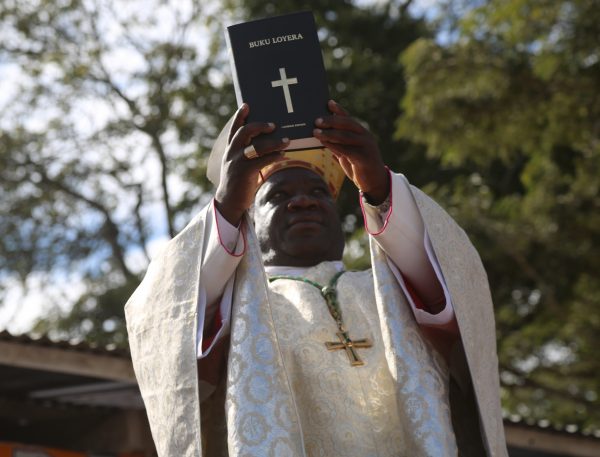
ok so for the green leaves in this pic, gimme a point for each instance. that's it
(508, 101)
(97, 130)
(105, 130)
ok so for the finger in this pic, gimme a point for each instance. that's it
(344, 151)
(336, 108)
(343, 161)
(266, 159)
(265, 147)
(339, 136)
(341, 123)
(244, 134)
(346, 167)
(238, 121)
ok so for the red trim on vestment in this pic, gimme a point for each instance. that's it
(413, 294)
(389, 214)
(417, 300)
(231, 253)
(209, 335)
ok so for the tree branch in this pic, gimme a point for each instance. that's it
(404, 7)
(139, 222)
(110, 230)
(503, 240)
(151, 132)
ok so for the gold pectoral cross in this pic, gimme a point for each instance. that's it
(349, 345)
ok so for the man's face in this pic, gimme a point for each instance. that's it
(296, 220)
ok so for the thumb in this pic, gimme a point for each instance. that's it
(346, 167)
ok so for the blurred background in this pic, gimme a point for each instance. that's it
(108, 109)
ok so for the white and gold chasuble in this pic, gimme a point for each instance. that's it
(357, 411)
(284, 394)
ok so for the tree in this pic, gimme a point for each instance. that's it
(509, 104)
(103, 148)
(102, 145)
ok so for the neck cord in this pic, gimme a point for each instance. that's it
(328, 292)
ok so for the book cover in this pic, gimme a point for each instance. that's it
(278, 70)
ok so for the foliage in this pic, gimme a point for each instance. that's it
(103, 148)
(510, 106)
(102, 143)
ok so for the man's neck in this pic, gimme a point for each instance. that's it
(272, 270)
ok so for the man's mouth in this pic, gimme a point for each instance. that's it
(305, 221)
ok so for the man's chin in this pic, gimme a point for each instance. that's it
(305, 252)
(299, 236)
(305, 228)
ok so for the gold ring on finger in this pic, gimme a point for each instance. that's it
(250, 152)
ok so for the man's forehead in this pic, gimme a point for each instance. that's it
(288, 179)
(292, 176)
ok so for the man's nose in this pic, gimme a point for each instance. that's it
(302, 201)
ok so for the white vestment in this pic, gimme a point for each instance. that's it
(268, 408)
(399, 231)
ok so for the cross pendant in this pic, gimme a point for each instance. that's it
(349, 345)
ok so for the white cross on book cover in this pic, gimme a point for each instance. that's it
(278, 70)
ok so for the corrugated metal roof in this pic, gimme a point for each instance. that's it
(71, 345)
(112, 350)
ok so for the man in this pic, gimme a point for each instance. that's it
(368, 366)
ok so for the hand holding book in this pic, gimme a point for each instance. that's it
(357, 151)
(238, 184)
(279, 76)
(277, 68)
(353, 145)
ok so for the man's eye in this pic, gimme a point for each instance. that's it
(319, 191)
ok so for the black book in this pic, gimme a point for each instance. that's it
(278, 70)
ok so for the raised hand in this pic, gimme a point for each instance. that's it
(242, 163)
(356, 150)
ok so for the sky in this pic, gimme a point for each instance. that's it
(22, 307)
